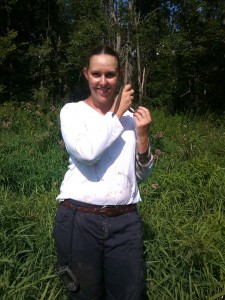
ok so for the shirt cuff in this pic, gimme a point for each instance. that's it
(144, 158)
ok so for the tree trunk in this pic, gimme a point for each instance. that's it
(115, 18)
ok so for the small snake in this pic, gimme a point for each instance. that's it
(118, 101)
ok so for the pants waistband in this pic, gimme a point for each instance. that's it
(106, 211)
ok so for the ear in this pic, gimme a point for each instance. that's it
(85, 72)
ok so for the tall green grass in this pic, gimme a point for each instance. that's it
(182, 209)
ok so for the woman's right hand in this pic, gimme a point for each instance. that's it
(126, 100)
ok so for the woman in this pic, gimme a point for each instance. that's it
(97, 226)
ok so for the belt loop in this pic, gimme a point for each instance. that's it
(74, 209)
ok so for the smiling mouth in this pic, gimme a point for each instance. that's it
(103, 90)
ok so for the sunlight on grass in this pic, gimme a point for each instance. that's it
(182, 209)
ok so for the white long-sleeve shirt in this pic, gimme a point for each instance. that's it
(103, 164)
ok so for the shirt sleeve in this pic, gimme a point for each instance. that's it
(144, 164)
(86, 137)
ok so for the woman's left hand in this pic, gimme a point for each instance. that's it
(142, 118)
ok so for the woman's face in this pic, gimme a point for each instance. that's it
(102, 75)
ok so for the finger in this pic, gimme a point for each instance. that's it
(142, 109)
(141, 114)
(144, 112)
(142, 118)
(128, 88)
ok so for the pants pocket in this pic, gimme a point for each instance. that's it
(62, 232)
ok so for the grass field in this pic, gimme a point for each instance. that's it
(182, 209)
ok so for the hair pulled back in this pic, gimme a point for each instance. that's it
(103, 49)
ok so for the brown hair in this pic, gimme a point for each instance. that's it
(103, 49)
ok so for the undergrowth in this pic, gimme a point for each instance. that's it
(182, 209)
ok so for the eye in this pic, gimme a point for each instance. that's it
(110, 74)
(95, 74)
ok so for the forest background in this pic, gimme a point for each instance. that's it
(173, 53)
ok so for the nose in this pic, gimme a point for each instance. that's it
(103, 80)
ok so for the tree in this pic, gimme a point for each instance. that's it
(37, 24)
(7, 48)
(197, 45)
(172, 51)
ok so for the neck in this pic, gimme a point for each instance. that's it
(102, 108)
